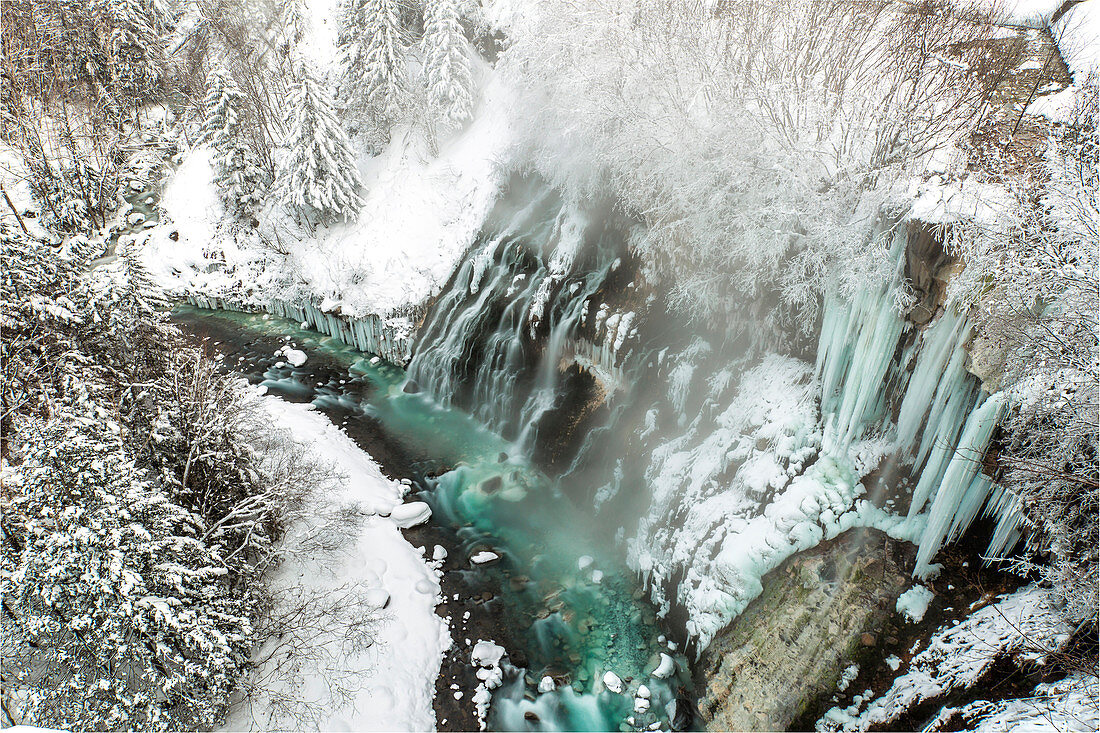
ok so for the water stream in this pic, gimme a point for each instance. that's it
(573, 610)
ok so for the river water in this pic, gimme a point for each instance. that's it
(568, 607)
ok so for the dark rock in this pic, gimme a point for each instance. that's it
(502, 457)
(868, 639)
(410, 387)
(491, 485)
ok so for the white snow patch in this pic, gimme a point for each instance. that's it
(394, 678)
(664, 668)
(411, 514)
(486, 657)
(483, 557)
(913, 603)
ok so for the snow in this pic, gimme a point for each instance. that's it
(1028, 13)
(486, 656)
(846, 679)
(484, 557)
(1069, 705)
(893, 662)
(612, 682)
(913, 603)
(389, 684)
(1078, 35)
(421, 212)
(546, 684)
(665, 667)
(957, 656)
(411, 514)
(296, 357)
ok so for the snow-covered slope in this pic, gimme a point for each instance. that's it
(384, 678)
(422, 210)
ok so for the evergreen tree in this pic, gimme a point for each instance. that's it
(446, 65)
(318, 174)
(134, 51)
(239, 173)
(372, 47)
(122, 614)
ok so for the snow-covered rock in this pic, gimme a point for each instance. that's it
(411, 514)
(665, 667)
(913, 603)
(484, 557)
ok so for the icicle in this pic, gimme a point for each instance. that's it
(958, 481)
(933, 379)
(1008, 509)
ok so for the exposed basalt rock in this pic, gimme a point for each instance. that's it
(928, 268)
(790, 646)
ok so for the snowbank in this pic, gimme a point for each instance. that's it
(421, 212)
(1078, 36)
(389, 684)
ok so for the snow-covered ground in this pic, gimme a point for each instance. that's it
(1023, 624)
(378, 676)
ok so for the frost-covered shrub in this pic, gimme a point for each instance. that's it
(119, 616)
(143, 496)
(1034, 275)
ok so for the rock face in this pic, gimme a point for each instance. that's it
(928, 269)
(789, 648)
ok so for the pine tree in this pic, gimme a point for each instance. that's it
(318, 174)
(239, 173)
(372, 47)
(446, 65)
(134, 51)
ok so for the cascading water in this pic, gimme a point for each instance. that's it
(496, 340)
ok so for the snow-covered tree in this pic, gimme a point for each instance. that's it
(239, 173)
(446, 65)
(1033, 276)
(372, 45)
(134, 50)
(125, 618)
(318, 176)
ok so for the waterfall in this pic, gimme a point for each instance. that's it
(513, 316)
(715, 465)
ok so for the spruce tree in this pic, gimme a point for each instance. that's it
(238, 173)
(134, 51)
(318, 175)
(372, 45)
(446, 65)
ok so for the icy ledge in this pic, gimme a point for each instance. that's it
(391, 338)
